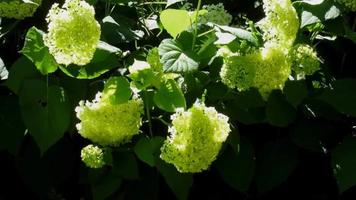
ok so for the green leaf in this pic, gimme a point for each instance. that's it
(125, 165)
(169, 96)
(226, 34)
(117, 89)
(104, 60)
(35, 50)
(3, 71)
(275, 162)
(295, 91)
(105, 185)
(175, 21)
(342, 96)
(154, 61)
(45, 111)
(278, 111)
(177, 55)
(179, 183)
(237, 167)
(12, 128)
(147, 150)
(312, 12)
(21, 70)
(344, 162)
(141, 74)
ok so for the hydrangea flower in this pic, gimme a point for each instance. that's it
(216, 13)
(106, 123)
(265, 69)
(305, 60)
(73, 33)
(93, 156)
(351, 4)
(18, 9)
(281, 23)
(196, 137)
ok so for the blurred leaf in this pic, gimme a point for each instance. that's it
(227, 34)
(237, 167)
(179, 183)
(342, 96)
(177, 55)
(344, 162)
(171, 2)
(3, 71)
(35, 50)
(169, 96)
(175, 21)
(147, 149)
(275, 162)
(46, 112)
(104, 60)
(295, 91)
(125, 165)
(105, 185)
(278, 111)
(21, 70)
(117, 89)
(12, 128)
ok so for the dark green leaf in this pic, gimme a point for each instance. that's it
(147, 149)
(125, 165)
(35, 50)
(344, 162)
(169, 96)
(295, 91)
(278, 111)
(46, 112)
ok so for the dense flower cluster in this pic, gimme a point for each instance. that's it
(93, 156)
(73, 33)
(305, 60)
(109, 124)
(195, 138)
(18, 9)
(281, 23)
(216, 13)
(269, 67)
(351, 4)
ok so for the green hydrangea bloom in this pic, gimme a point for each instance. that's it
(265, 69)
(93, 156)
(216, 13)
(18, 9)
(73, 33)
(305, 60)
(106, 123)
(281, 23)
(195, 138)
(351, 4)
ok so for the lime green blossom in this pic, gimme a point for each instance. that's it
(18, 9)
(281, 23)
(93, 156)
(266, 69)
(351, 4)
(109, 124)
(73, 33)
(196, 137)
(216, 13)
(305, 60)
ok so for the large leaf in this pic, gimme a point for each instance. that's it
(237, 167)
(279, 111)
(295, 91)
(125, 165)
(344, 162)
(45, 111)
(169, 96)
(3, 71)
(179, 183)
(147, 149)
(177, 55)
(104, 60)
(226, 34)
(12, 127)
(117, 89)
(312, 12)
(35, 50)
(175, 21)
(342, 96)
(21, 70)
(275, 162)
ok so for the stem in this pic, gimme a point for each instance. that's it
(148, 114)
(196, 24)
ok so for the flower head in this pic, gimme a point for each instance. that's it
(93, 156)
(73, 33)
(305, 60)
(351, 4)
(18, 9)
(216, 13)
(195, 138)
